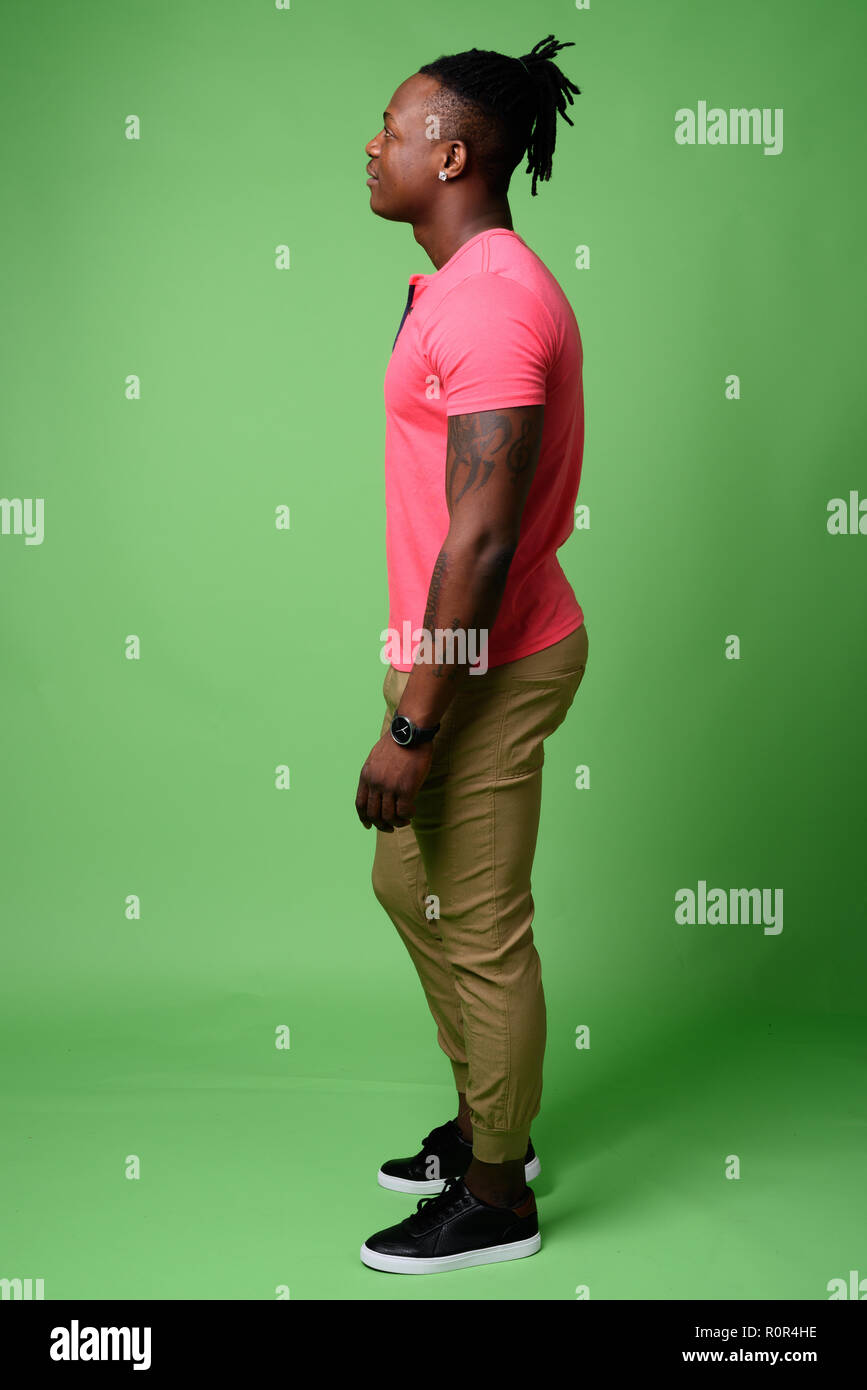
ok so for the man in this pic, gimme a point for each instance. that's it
(484, 443)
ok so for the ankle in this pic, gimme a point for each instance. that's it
(465, 1127)
(498, 1184)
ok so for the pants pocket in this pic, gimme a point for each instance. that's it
(534, 709)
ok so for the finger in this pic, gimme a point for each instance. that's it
(361, 799)
(382, 822)
(374, 802)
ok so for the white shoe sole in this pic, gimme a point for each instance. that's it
(411, 1264)
(430, 1187)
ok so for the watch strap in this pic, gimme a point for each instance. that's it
(418, 734)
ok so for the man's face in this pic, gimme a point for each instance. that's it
(403, 156)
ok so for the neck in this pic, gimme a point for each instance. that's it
(444, 233)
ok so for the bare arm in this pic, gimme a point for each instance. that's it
(491, 459)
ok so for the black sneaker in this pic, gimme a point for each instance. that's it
(445, 1153)
(454, 1230)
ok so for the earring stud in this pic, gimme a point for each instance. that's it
(443, 174)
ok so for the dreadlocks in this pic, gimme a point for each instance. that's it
(503, 107)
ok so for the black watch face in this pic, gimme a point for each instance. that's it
(401, 729)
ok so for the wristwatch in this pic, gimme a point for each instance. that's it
(408, 734)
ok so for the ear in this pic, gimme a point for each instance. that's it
(458, 158)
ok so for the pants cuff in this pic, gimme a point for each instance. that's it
(500, 1145)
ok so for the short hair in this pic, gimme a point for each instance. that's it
(503, 108)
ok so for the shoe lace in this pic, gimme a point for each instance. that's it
(429, 1207)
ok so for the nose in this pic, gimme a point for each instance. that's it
(372, 146)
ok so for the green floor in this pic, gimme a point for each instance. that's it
(257, 1178)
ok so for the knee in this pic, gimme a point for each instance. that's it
(380, 881)
(387, 880)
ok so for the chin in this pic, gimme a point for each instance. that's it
(382, 209)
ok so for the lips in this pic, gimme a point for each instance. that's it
(371, 174)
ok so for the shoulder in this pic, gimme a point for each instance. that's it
(486, 307)
(491, 289)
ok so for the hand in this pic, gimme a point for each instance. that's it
(390, 781)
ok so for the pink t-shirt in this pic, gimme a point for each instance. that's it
(490, 328)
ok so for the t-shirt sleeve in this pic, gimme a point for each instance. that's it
(491, 345)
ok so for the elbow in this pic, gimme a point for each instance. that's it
(499, 559)
(493, 559)
(487, 548)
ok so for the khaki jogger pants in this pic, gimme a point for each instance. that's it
(456, 883)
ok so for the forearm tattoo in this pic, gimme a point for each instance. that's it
(439, 570)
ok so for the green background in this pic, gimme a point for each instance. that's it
(260, 647)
